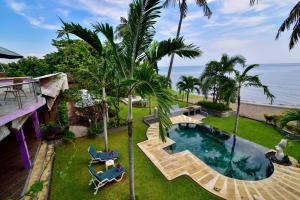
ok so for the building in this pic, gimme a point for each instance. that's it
(24, 103)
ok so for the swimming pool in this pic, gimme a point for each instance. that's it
(231, 156)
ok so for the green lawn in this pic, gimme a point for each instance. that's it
(70, 176)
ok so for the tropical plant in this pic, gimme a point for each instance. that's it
(98, 74)
(135, 57)
(29, 66)
(188, 84)
(183, 8)
(293, 18)
(291, 115)
(215, 78)
(243, 79)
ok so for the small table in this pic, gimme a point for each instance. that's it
(109, 163)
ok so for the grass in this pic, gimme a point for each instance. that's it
(70, 176)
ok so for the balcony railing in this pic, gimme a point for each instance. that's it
(17, 94)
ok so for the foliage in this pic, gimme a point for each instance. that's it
(291, 115)
(215, 79)
(68, 135)
(71, 55)
(95, 130)
(219, 107)
(29, 66)
(188, 84)
(63, 113)
(271, 119)
(292, 19)
(34, 189)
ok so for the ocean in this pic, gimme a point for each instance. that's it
(283, 81)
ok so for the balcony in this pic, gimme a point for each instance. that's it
(18, 97)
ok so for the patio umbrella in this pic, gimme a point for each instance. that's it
(5, 53)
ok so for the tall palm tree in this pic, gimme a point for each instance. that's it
(293, 18)
(215, 74)
(183, 8)
(101, 75)
(188, 84)
(135, 57)
(245, 80)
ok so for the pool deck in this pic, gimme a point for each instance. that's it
(284, 183)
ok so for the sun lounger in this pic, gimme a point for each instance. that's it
(99, 179)
(99, 156)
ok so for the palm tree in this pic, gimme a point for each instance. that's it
(291, 115)
(135, 57)
(215, 74)
(101, 75)
(245, 80)
(183, 8)
(293, 18)
(188, 84)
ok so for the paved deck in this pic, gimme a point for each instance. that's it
(283, 184)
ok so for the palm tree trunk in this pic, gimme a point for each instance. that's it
(177, 36)
(187, 98)
(236, 123)
(104, 116)
(130, 150)
(150, 105)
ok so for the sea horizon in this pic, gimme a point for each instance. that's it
(282, 78)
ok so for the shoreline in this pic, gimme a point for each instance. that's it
(253, 110)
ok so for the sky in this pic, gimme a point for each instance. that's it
(235, 28)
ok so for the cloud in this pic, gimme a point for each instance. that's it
(18, 7)
(23, 9)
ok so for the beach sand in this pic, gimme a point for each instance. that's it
(254, 111)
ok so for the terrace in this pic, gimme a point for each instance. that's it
(19, 96)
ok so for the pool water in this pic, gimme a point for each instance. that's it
(231, 156)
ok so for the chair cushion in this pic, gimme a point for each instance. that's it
(107, 155)
(92, 151)
(111, 173)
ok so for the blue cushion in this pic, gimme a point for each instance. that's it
(109, 174)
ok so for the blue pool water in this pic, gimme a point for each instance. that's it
(235, 158)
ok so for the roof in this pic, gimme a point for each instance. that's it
(5, 53)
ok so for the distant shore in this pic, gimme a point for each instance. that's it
(254, 110)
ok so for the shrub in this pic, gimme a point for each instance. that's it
(63, 113)
(292, 127)
(219, 107)
(95, 130)
(271, 119)
(68, 135)
(52, 131)
(113, 123)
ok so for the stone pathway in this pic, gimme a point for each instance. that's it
(283, 184)
(42, 170)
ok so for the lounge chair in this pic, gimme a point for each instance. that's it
(99, 179)
(175, 110)
(99, 156)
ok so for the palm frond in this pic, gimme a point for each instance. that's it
(206, 10)
(248, 68)
(167, 3)
(141, 18)
(293, 18)
(148, 83)
(254, 81)
(171, 46)
(85, 34)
